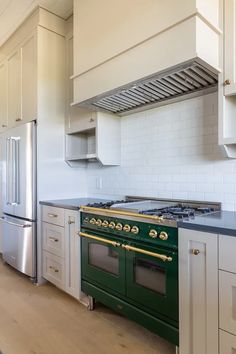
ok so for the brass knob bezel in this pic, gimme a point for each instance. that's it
(92, 221)
(105, 223)
(99, 222)
(119, 226)
(127, 228)
(153, 233)
(112, 225)
(163, 236)
(135, 230)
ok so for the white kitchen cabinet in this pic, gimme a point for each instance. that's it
(72, 253)
(227, 80)
(29, 80)
(3, 96)
(97, 138)
(14, 88)
(230, 47)
(61, 249)
(227, 301)
(21, 83)
(198, 292)
(227, 343)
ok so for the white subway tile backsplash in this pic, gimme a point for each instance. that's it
(171, 152)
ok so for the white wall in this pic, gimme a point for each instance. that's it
(171, 152)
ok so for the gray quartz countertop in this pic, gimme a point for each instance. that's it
(73, 204)
(221, 222)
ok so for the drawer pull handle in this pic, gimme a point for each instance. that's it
(101, 239)
(52, 215)
(91, 120)
(227, 82)
(18, 119)
(70, 222)
(55, 269)
(195, 252)
(53, 239)
(4, 126)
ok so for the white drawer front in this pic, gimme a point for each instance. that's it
(227, 249)
(53, 215)
(227, 299)
(54, 269)
(54, 239)
(227, 343)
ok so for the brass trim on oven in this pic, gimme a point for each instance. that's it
(122, 212)
(163, 257)
(113, 243)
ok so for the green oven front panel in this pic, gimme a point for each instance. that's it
(151, 282)
(103, 264)
(123, 307)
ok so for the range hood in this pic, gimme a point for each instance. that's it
(192, 78)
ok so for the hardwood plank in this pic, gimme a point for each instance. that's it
(44, 320)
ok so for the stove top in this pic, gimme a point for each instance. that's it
(161, 210)
(167, 210)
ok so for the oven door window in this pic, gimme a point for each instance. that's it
(103, 264)
(150, 275)
(104, 257)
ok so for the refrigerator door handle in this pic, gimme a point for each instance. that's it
(13, 223)
(9, 171)
(15, 168)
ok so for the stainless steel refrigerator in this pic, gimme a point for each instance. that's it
(19, 198)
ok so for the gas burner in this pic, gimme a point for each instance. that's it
(177, 212)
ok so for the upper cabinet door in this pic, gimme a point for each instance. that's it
(14, 88)
(28, 78)
(230, 47)
(3, 97)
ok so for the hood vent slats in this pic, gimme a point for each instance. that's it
(193, 77)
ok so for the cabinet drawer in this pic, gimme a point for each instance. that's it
(54, 269)
(227, 301)
(227, 247)
(54, 239)
(53, 215)
(227, 343)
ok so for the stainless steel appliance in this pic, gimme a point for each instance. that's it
(130, 258)
(19, 197)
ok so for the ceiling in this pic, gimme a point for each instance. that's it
(14, 12)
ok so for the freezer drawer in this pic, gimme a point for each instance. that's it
(19, 244)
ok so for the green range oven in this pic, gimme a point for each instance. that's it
(131, 265)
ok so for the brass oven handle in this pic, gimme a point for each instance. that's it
(163, 257)
(113, 243)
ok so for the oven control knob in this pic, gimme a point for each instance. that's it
(127, 228)
(153, 233)
(135, 230)
(86, 220)
(92, 221)
(99, 222)
(163, 236)
(112, 225)
(119, 226)
(105, 223)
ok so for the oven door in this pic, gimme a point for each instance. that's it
(103, 261)
(152, 281)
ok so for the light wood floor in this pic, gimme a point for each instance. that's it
(44, 320)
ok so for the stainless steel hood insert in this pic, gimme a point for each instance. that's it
(189, 78)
